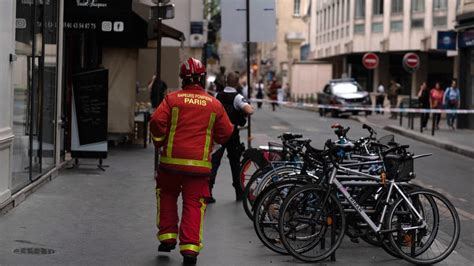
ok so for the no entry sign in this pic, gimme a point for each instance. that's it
(411, 62)
(370, 61)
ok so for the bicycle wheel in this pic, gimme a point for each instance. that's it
(267, 175)
(267, 209)
(251, 162)
(311, 228)
(434, 237)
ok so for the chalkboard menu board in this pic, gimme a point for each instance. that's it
(90, 100)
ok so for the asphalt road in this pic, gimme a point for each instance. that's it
(89, 217)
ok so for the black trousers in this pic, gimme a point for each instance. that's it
(234, 152)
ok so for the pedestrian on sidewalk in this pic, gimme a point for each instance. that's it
(220, 79)
(436, 102)
(424, 100)
(273, 93)
(186, 124)
(379, 99)
(237, 109)
(260, 89)
(392, 96)
(452, 101)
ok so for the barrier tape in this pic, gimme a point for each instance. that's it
(374, 109)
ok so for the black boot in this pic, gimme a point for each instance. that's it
(189, 259)
(166, 247)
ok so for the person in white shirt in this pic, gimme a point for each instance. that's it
(380, 98)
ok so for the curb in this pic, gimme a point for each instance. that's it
(447, 145)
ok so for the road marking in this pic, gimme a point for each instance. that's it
(280, 127)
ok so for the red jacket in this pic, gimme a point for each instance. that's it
(186, 124)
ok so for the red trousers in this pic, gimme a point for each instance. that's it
(194, 191)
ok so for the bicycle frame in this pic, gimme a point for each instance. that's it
(377, 228)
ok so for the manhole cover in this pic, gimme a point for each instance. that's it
(34, 251)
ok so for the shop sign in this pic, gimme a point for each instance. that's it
(466, 38)
(446, 40)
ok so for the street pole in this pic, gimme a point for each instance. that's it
(158, 76)
(249, 88)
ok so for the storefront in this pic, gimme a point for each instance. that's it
(31, 77)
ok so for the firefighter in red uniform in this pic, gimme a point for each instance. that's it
(186, 124)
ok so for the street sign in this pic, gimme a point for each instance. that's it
(262, 21)
(411, 62)
(370, 61)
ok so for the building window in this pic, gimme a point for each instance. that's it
(440, 21)
(347, 31)
(378, 7)
(296, 7)
(360, 9)
(348, 8)
(397, 6)
(417, 23)
(440, 4)
(396, 26)
(359, 29)
(418, 5)
(337, 13)
(377, 27)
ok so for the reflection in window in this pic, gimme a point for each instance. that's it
(397, 6)
(440, 4)
(360, 9)
(417, 23)
(377, 27)
(378, 7)
(296, 7)
(440, 21)
(418, 5)
(359, 29)
(396, 26)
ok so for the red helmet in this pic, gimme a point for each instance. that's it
(192, 67)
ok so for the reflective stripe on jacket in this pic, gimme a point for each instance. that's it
(186, 124)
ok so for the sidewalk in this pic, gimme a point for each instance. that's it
(460, 141)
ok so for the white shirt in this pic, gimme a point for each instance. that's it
(381, 89)
(239, 100)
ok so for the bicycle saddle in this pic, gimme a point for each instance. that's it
(290, 136)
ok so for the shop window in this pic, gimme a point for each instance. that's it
(377, 27)
(397, 6)
(417, 23)
(359, 29)
(396, 26)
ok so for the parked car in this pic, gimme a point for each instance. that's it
(343, 93)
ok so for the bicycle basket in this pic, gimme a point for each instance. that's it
(399, 168)
(275, 151)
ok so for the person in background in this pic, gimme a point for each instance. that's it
(273, 93)
(452, 101)
(157, 90)
(220, 79)
(436, 102)
(245, 90)
(260, 89)
(392, 96)
(237, 109)
(424, 100)
(380, 98)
